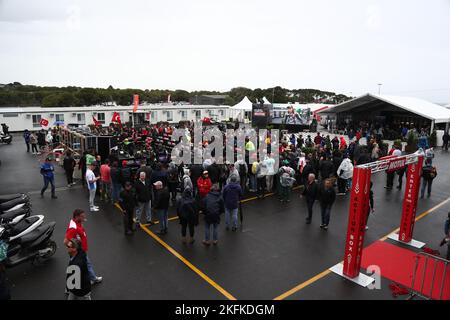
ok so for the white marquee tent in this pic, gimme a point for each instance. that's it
(245, 105)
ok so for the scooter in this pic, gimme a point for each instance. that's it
(22, 228)
(4, 199)
(15, 216)
(5, 138)
(15, 204)
(36, 245)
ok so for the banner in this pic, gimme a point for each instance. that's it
(410, 201)
(43, 122)
(357, 219)
(135, 102)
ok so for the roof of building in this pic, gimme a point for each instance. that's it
(417, 106)
(142, 108)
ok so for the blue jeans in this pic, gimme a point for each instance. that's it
(252, 182)
(116, 188)
(46, 182)
(233, 214)
(208, 229)
(424, 185)
(90, 267)
(144, 206)
(326, 212)
(163, 218)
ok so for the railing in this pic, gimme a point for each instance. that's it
(421, 292)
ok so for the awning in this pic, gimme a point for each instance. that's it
(423, 108)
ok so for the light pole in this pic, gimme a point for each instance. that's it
(379, 88)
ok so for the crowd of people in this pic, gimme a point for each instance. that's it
(320, 166)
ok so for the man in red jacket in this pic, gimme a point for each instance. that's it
(204, 184)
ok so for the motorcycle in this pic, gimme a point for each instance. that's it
(14, 216)
(29, 239)
(15, 204)
(4, 199)
(5, 138)
(22, 228)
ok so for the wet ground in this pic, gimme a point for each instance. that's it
(274, 252)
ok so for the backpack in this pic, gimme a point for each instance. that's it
(433, 173)
(254, 167)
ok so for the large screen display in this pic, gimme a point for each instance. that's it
(290, 114)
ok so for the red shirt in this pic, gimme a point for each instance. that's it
(204, 186)
(76, 230)
(105, 173)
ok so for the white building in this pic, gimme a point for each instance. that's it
(21, 118)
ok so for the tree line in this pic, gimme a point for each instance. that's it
(16, 94)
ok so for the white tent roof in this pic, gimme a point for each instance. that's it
(266, 101)
(245, 104)
(417, 106)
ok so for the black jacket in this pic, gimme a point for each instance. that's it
(213, 207)
(148, 174)
(187, 210)
(307, 169)
(326, 169)
(116, 175)
(363, 158)
(337, 160)
(311, 191)
(69, 164)
(125, 174)
(143, 191)
(327, 196)
(214, 173)
(161, 199)
(172, 176)
(80, 260)
(426, 173)
(159, 175)
(128, 201)
(196, 172)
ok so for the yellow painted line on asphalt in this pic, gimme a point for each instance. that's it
(423, 215)
(146, 224)
(188, 264)
(303, 285)
(327, 272)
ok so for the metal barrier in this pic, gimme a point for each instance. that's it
(437, 260)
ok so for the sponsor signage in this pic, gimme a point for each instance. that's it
(357, 219)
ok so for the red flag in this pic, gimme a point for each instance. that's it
(43, 122)
(96, 122)
(135, 102)
(116, 117)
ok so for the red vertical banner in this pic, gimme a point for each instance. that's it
(135, 102)
(410, 201)
(357, 219)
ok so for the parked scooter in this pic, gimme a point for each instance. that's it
(5, 138)
(14, 216)
(7, 198)
(28, 240)
(11, 205)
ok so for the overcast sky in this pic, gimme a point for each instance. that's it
(346, 46)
